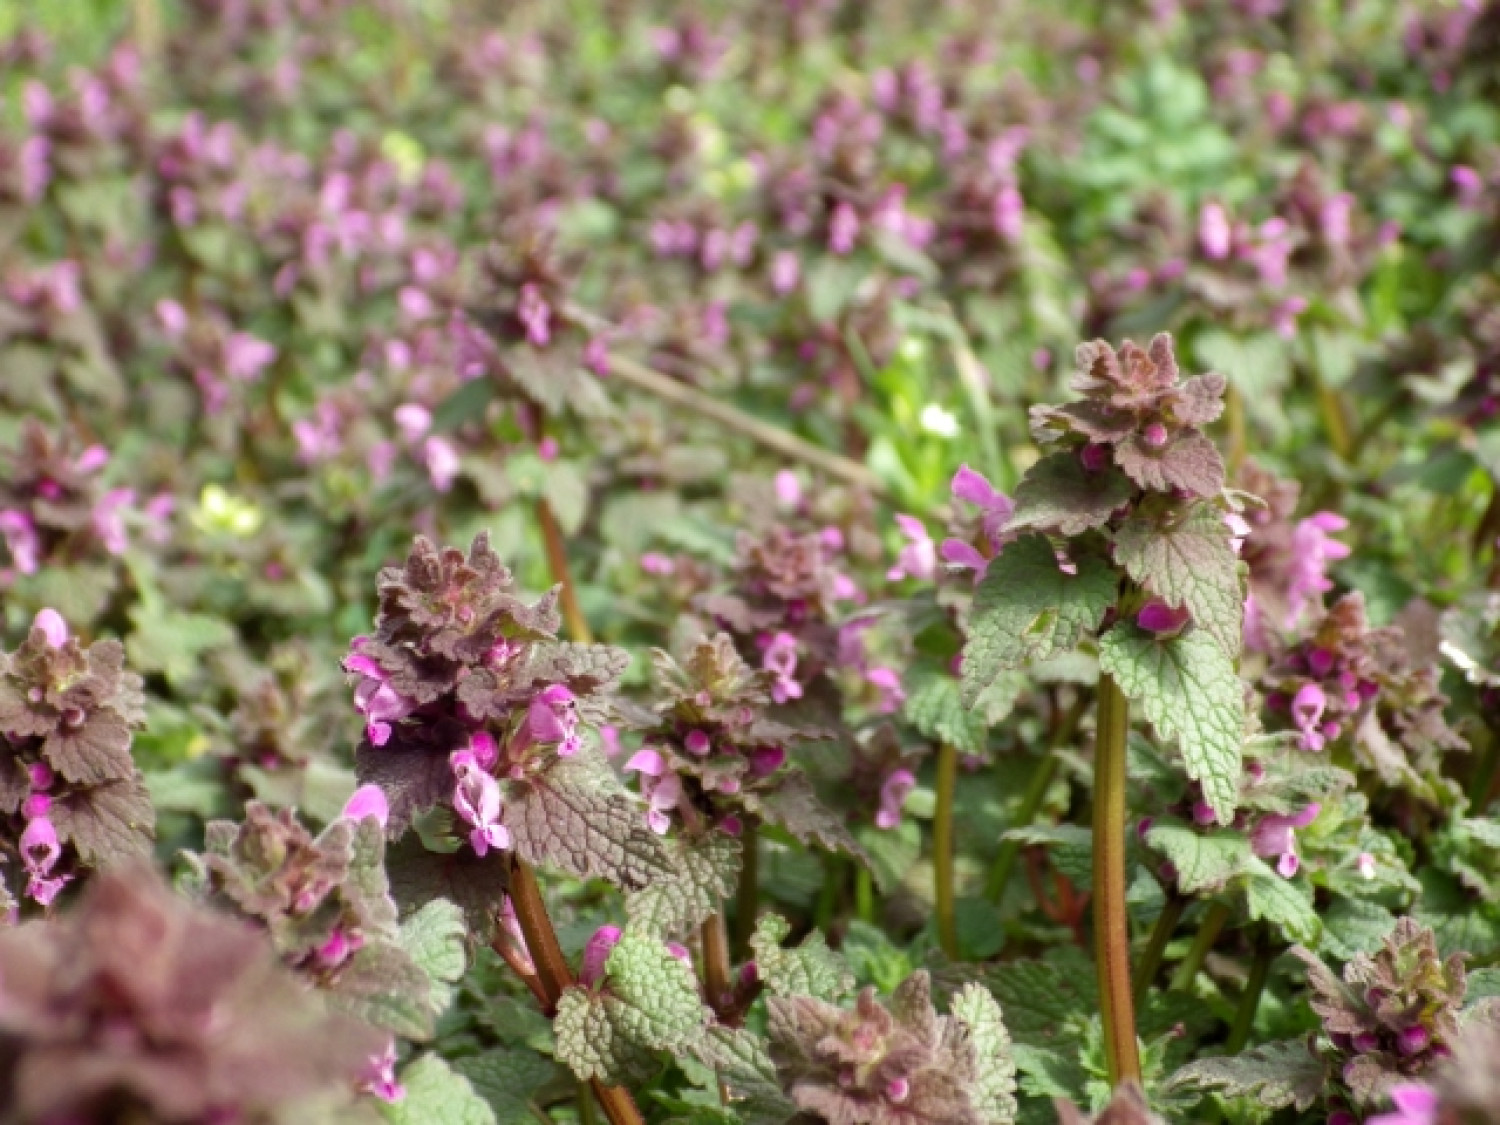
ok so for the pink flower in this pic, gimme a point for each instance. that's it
(476, 798)
(766, 760)
(1274, 835)
(786, 271)
(843, 228)
(374, 697)
(53, 627)
(109, 523)
(918, 559)
(379, 1078)
(21, 539)
(246, 356)
(1307, 714)
(1214, 234)
(1313, 548)
(893, 794)
(697, 743)
(172, 317)
(1365, 865)
(535, 316)
(1415, 1105)
(442, 462)
(995, 507)
(340, 946)
(1468, 183)
(780, 658)
(596, 955)
(788, 489)
(661, 787)
(1156, 616)
(653, 562)
(92, 459)
(888, 682)
(1334, 218)
(367, 801)
(552, 718)
(1009, 213)
(413, 420)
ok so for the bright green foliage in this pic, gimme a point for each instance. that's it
(1191, 692)
(433, 938)
(706, 871)
(434, 1092)
(1027, 608)
(1205, 861)
(811, 969)
(994, 1094)
(1185, 558)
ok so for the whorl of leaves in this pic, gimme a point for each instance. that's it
(1393, 1014)
(138, 1006)
(1137, 405)
(72, 709)
(873, 1064)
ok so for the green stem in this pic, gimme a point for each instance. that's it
(747, 900)
(1208, 933)
(1234, 416)
(1156, 947)
(1260, 972)
(1031, 802)
(557, 562)
(864, 895)
(1482, 782)
(586, 1114)
(835, 871)
(942, 849)
(1111, 922)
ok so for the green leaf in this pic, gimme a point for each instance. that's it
(994, 1093)
(654, 996)
(743, 1063)
(589, 1044)
(1275, 1075)
(384, 987)
(1042, 1000)
(1071, 846)
(1355, 925)
(507, 1080)
(1287, 903)
(433, 938)
(1027, 608)
(706, 873)
(811, 969)
(1204, 861)
(577, 816)
(174, 643)
(935, 707)
(1191, 692)
(1059, 495)
(794, 805)
(435, 1093)
(1188, 561)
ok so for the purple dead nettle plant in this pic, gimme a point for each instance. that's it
(140, 1005)
(325, 903)
(72, 797)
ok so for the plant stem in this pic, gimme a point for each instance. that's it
(557, 562)
(1111, 923)
(1156, 947)
(586, 1115)
(747, 900)
(554, 975)
(716, 981)
(942, 849)
(834, 873)
(1260, 972)
(1234, 416)
(864, 895)
(772, 437)
(1484, 773)
(1208, 933)
(1031, 802)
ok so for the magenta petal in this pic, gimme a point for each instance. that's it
(53, 627)
(1415, 1098)
(973, 487)
(368, 800)
(646, 760)
(956, 552)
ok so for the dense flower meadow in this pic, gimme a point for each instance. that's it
(750, 563)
